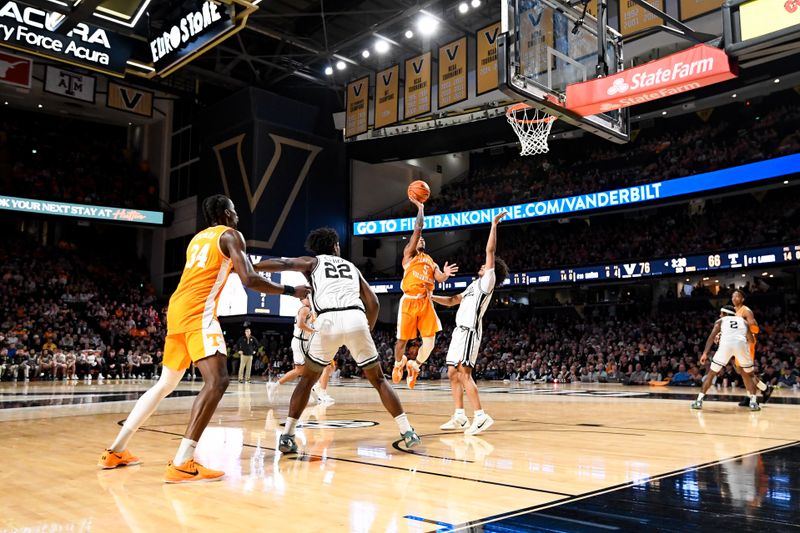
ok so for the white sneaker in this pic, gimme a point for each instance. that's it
(326, 399)
(315, 393)
(100, 376)
(479, 425)
(74, 377)
(456, 422)
(272, 387)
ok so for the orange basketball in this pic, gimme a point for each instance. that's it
(419, 191)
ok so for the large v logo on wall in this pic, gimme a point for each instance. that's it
(271, 196)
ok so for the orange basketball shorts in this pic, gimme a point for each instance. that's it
(180, 349)
(417, 315)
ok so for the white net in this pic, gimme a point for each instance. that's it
(532, 126)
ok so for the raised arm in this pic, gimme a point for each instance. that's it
(710, 341)
(370, 299)
(232, 244)
(411, 247)
(445, 273)
(448, 301)
(491, 243)
(279, 264)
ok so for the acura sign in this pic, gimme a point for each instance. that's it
(30, 29)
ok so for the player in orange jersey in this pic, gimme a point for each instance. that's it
(737, 299)
(416, 312)
(194, 336)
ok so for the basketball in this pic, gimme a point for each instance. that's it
(419, 191)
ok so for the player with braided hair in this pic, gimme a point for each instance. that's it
(195, 335)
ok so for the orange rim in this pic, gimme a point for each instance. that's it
(522, 106)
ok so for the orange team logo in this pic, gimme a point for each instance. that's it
(215, 337)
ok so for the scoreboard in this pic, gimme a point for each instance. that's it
(675, 265)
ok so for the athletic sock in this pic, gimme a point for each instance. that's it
(291, 424)
(753, 399)
(123, 438)
(761, 386)
(479, 413)
(700, 397)
(460, 413)
(398, 363)
(185, 451)
(402, 423)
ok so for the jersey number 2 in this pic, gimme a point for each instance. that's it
(197, 256)
(734, 324)
(342, 271)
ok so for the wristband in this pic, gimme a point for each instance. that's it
(288, 290)
(754, 329)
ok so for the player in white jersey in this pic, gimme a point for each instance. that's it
(733, 342)
(466, 340)
(346, 309)
(301, 336)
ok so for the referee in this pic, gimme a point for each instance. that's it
(247, 347)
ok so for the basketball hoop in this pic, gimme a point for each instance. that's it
(532, 126)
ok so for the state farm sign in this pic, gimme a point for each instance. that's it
(691, 69)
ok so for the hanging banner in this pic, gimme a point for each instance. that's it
(69, 84)
(536, 38)
(695, 8)
(486, 58)
(129, 99)
(387, 97)
(357, 106)
(417, 97)
(452, 83)
(634, 17)
(15, 70)
(691, 69)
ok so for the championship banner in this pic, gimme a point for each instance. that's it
(15, 70)
(695, 8)
(634, 18)
(417, 99)
(69, 84)
(486, 58)
(357, 107)
(536, 34)
(761, 17)
(33, 30)
(129, 99)
(95, 212)
(387, 97)
(452, 87)
(696, 67)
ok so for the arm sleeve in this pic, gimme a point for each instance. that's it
(487, 281)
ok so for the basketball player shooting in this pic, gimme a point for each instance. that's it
(346, 310)
(466, 341)
(416, 312)
(194, 335)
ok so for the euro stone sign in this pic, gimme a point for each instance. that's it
(96, 212)
(729, 177)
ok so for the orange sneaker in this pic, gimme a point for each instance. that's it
(413, 373)
(111, 459)
(190, 472)
(397, 371)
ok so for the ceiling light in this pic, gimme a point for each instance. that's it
(476, 3)
(733, 95)
(776, 80)
(427, 25)
(744, 275)
(365, 54)
(341, 65)
(772, 275)
(409, 34)
(328, 71)
(33, 151)
(687, 280)
(785, 182)
(39, 106)
(381, 46)
(663, 112)
(764, 273)
(463, 7)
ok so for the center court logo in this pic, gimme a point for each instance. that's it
(618, 87)
(336, 424)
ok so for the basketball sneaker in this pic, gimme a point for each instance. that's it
(745, 402)
(287, 444)
(754, 406)
(697, 404)
(111, 459)
(411, 438)
(413, 373)
(397, 371)
(456, 422)
(767, 394)
(315, 393)
(479, 424)
(191, 472)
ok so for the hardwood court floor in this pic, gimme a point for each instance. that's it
(549, 445)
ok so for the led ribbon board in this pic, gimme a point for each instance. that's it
(94, 212)
(699, 183)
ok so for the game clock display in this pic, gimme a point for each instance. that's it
(684, 264)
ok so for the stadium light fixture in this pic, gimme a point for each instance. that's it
(409, 34)
(476, 4)
(663, 112)
(341, 65)
(776, 80)
(427, 24)
(365, 54)
(733, 95)
(329, 71)
(463, 7)
(40, 106)
(381, 46)
(785, 182)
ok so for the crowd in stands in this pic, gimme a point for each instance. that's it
(670, 148)
(47, 157)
